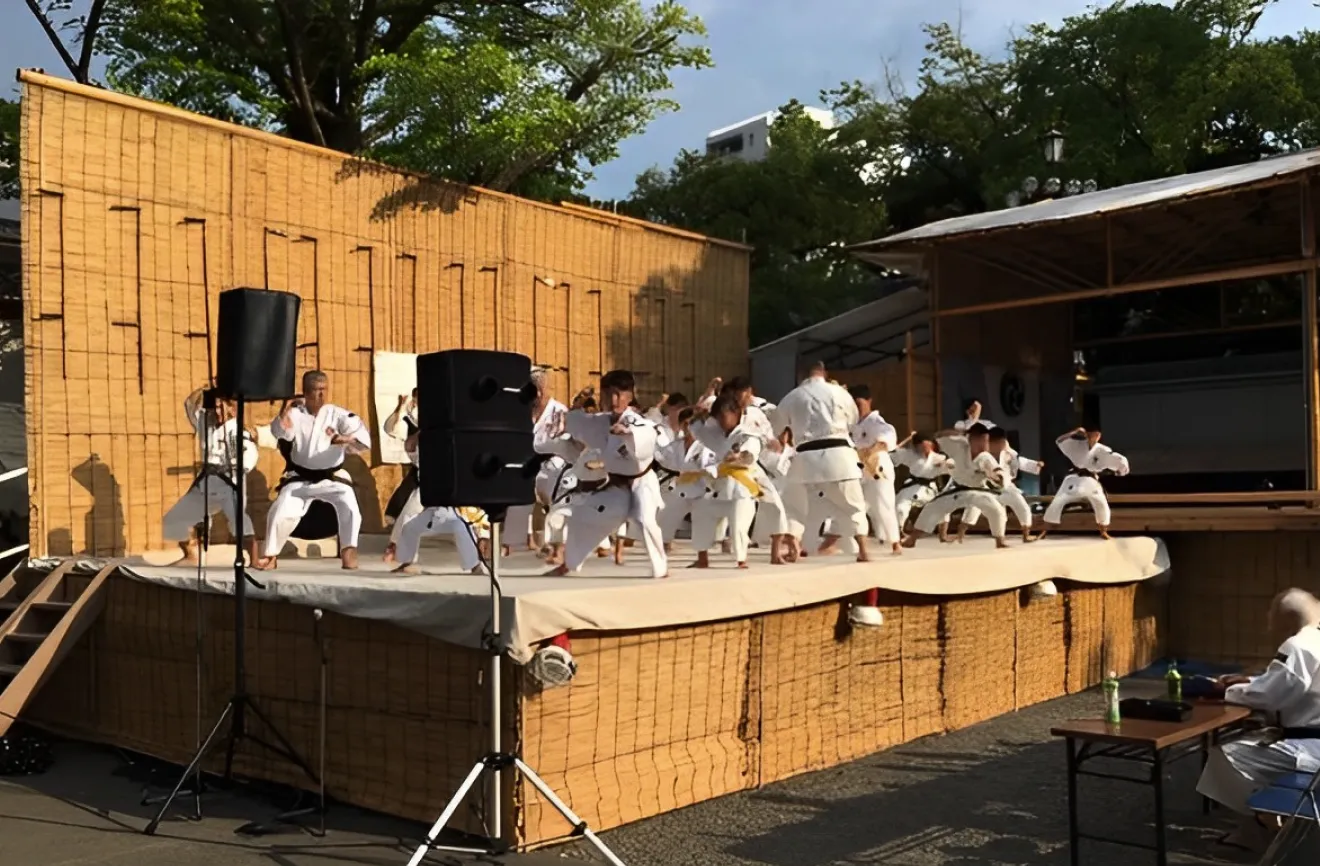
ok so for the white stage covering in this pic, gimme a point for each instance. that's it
(447, 604)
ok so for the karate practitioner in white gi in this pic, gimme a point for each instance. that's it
(583, 471)
(627, 444)
(402, 426)
(321, 434)
(1010, 464)
(684, 461)
(925, 465)
(771, 522)
(1288, 689)
(824, 481)
(1090, 460)
(974, 471)
(219, 460)
(519, 519)
(876, 441)
(735, 481)
(437, 520)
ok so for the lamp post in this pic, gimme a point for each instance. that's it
(1033, 190)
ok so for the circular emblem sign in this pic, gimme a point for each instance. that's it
(1012, 395)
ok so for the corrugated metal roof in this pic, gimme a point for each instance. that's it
(1121, 198)
(891, 309)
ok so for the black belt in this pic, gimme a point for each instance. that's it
(955, 488)
(1084, 473)
(213, 471)
(617, 479)
(823, 444)
(915, 480)
(294, 472)
(666, 475)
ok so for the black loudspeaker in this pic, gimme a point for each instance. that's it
(256, 345)
(475, 429)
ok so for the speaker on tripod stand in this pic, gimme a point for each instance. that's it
(256, 360)
(475, 449)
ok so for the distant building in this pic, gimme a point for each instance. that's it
(750, 139)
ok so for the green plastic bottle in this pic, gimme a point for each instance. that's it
(1173, 681)
(1110, 685)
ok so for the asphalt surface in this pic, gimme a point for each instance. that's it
(993, 794)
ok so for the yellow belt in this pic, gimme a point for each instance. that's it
(741, 474)
(475, 516)
(690, 477)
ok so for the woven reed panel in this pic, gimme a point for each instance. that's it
(922, 655)
(405, 713)
(830, 694)
(889, 382)
(652, 722)
(1223, 583)
(135, 218)
(1042, 649)
(1085, 607)
(980, 648)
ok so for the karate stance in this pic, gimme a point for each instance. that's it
(876, 440)
(771, 520)
(925, 465)
(734, 485)
(546, 411)
(825, 477)
(684, 460)
(320, 435)
(1010, 463)
(974, 471)
(437, 520)
(627, 444)
(1290, 688)
(219, 461)
(1090, 460)
(406, 501)
(583, 472)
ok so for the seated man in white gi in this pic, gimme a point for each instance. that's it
(974, 474)
(824, 482)
(1289, 688)
(1010, 463)
(1090, 460)
(220, 459)
(627, 443)
(320, 434)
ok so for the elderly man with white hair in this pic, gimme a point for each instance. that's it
(1290, 689)
(547, 412)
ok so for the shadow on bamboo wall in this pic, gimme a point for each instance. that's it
(136, 217)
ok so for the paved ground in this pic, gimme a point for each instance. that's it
(993, 794)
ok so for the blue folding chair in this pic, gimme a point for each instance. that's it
(1292, 798)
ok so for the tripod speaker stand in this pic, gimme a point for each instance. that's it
(479, 430)
(256, 361)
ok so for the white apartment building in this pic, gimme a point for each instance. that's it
(749, 139)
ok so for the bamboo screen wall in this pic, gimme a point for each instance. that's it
(135, 217)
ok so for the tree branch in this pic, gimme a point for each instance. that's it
(55, 40)
(89, 41)
(298, 80)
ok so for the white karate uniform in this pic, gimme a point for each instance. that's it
(312, 450)
(968, 489)
(825, 470)
(399, 430)
(634, 496)
(518, 518)
(1010, 464)
(878, 487)
(436, 520)
(1289, 687)
(1085, 487)
(196, 506)
(771, 515)
(922, 483)
(681, 493)
(734, 485)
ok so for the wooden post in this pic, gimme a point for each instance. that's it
(910, 374)
(934, 280)
(1310, 337)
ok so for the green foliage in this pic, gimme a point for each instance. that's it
(521, 95)
(8, 149)
(531, 118)
(798, 208)
(1140, 90)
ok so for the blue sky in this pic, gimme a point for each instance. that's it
(766, 52)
